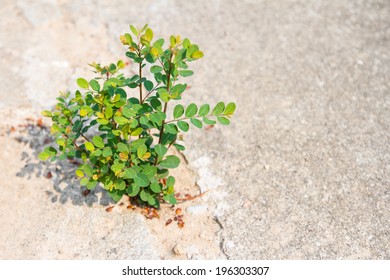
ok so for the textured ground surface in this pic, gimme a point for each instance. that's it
(303, 171)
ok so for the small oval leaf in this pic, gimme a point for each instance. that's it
(191, 110)
(196, 123)
(218, 109)
(95, 85)
(223, 120)
(183, 126)
(230, 108)
(204, 110)
(170, 162)
(81, 82)
(178, 111)
(98, 141)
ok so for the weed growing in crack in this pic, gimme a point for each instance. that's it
(128, 152)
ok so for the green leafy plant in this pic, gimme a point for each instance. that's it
(128, 152)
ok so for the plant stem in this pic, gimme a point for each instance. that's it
(153, 89)
(140, 85)
(196, 117)
(166, 103)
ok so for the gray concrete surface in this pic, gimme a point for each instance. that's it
(303, 171)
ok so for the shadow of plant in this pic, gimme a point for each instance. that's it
(60, 173)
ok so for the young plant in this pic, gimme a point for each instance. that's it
(118, 125)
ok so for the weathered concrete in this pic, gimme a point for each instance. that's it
(303, 171)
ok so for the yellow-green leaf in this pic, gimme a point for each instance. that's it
(82, 83)
(89, 146)
(197, 54)
(79, 173)
(46, 113)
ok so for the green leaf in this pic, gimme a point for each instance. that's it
(155, 187)
(186, 73)
(137, 131)
(183, 126)
(179, 147)
(141, 180)
(153, 53)
(50, 151)
(230, 108)
(130, 173)
(84, 110)
(208, 121)
(144, 28)
(107, 152)
(133, 190)
(153, 201)
(120, 120)
(178, 111)
(134, 30)
(144, 195)
(87, 169)
(120, 185)
(170, 198)
(223, 120)
(158, 43)
(94, 85)
(161, 150)
(91, 184)
(84, 181)
(171, 128)
(98, 141)
(89, 146)
(117, 167)
(186, 43)
(177, 90)
(128, 113)
(96, 153)
(148, 85)
(142, 149)
(143, 120)
(191, 110)
(79, 173)
(150, 171)
(123, 148)
(46, 113)
(120, 64)
(102, 121)
(204, 110)
(126, 40)
(197, 54)
(170, 162)
(82, 83)
(218, 109)
(172, 40)
(156, 118)
(163, 94)
(162, 173)
(149, 34)
(108, 112)
(155, 69)
(112, 68)
(196, 122)
(116, 195)
(43, 155)
(171, 181)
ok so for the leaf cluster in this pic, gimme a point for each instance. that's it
(129, 153)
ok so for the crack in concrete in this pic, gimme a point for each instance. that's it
(222, 239)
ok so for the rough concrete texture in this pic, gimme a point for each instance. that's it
(303, 171)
